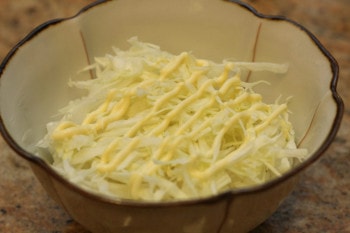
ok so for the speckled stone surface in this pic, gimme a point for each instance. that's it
(319, 203)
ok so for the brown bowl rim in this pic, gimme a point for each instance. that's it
(227, 194)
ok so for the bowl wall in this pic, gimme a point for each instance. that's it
(225, 214)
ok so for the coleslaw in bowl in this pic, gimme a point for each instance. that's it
(32, 90)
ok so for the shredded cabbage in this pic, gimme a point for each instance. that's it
(157, 126)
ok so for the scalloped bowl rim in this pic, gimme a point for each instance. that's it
(230, 193)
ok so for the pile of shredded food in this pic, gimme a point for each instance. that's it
(156, 126)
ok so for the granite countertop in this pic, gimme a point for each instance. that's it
(319, 203)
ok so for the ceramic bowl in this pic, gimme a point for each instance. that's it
(33, 87)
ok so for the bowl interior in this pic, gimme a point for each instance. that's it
(34, 80)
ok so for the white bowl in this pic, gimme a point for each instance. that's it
(33, 87)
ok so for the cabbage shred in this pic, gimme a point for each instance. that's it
(156, 126)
